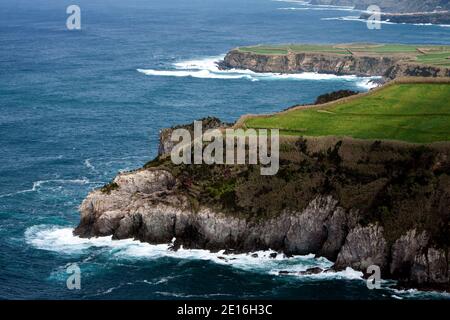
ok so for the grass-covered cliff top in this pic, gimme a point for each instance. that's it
(434, 55)
(412, 112)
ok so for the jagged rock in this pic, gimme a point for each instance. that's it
(307, 232)
(415, 70)
(337, 227)
(143, 207)
(404, 251)
(398, 6)
(309, 271)
(364, 246)
(154, 205)
(432, 266)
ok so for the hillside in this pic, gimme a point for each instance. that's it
(355, 202)
(399, 111)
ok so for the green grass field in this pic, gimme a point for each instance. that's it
(434, 55)
(408, 112)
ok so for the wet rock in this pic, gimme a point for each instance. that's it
(404, 252)
(363, 247)
(310, 271)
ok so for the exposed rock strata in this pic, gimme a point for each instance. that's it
(159, 203)
(399, 6)
(387, 66)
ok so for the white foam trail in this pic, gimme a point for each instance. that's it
(293, 1)
(317, 9)
(38, 184)
(207, 68)
(61, 240)
(303, 5)
(416, 294)
(89, 165)
(358, 19)
(202, 74)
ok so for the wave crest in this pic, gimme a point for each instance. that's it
(207, 68)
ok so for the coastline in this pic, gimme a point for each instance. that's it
(191, 208)
(324, 60)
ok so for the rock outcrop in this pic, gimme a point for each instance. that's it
(358, 203)
(309, 62)
(389, 67)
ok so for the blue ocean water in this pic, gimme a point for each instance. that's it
(75, 110)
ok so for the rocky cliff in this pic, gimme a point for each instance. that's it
(340, 64)
(358, 203)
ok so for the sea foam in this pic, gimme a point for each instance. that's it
(61, 240)
(207, 68)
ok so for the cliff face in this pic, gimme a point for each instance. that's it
(309, 62)
(358, 203)
(389, 67)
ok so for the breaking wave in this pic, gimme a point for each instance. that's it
(358, 19)
(60, 239)
(207, 68)
(304, 5)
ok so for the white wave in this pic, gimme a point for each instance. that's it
(354, 18)
(38, 184)
(89, 165)
(368, 84)
(318, 8)
(61, 240)
(358, 19)
(304, 5)
(207, 68)
(417, 294)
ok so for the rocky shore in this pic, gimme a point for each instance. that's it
(438, 17)
(387, 66)
(357, 203)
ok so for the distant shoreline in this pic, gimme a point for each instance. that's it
(434, 18)
(383, 60)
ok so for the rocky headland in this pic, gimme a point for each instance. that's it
(355, 202)
(389, 66)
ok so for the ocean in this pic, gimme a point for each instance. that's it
(78, 106)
